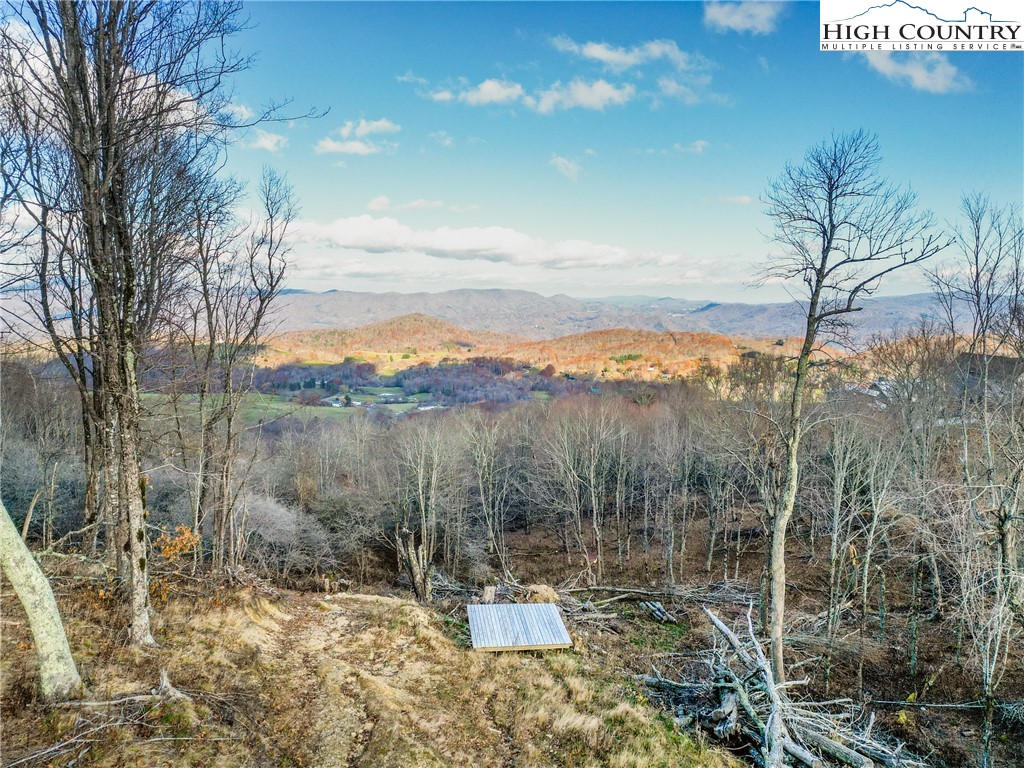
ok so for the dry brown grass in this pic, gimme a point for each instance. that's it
(211, 647)
(361, 681)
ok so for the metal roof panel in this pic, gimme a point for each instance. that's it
(518, 626)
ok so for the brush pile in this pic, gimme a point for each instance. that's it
(740, 704)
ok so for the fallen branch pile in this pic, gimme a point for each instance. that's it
(715, 593)
(657, 610)
(590, 615)
(238, 576)
(741, 704)
(94, 718)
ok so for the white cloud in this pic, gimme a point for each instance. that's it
(689, 93)
(366, 128)
(353, 138)
(931, 71)
(268, 141)
(423, 87)
(420, 204)
(379, 203)
(579, 93)
(758, 17)
(685, 76)
(696, 148)
(327, 145)
(737, 200)
(409, 77)
(240, 112)
(385, 203)
(620, 59)
(502, 245)
(492, 91)
(566, 167)
(443, 138)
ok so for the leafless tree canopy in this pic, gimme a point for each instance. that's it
(840, 227)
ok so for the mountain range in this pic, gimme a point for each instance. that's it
(533, 316)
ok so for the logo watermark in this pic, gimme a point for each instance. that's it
(922, 25)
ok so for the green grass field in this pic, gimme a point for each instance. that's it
(381, 390)
(258, 407)
(270, 407)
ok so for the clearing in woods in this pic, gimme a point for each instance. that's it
(373, 681)
(355, 680)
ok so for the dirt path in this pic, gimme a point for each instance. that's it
(363, 681)
(351, 689)
(313, 689)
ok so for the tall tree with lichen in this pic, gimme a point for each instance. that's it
(115, 107)
(840, 228)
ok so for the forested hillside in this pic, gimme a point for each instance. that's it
(617, 353)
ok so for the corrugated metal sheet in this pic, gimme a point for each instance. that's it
(517, 627)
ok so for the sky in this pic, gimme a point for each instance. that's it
(590, 148)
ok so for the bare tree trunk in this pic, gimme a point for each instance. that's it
(28, 515)
(414, 558)
(58, 675)
(842, 228)
(783, 513)
(134, 536)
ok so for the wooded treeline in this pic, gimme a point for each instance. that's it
(911, 472)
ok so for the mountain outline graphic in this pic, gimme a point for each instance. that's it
(905, 4)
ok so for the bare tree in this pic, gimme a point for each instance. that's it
(986, 614)
(981, 295)
(58, 674)
(571, 477)
(841, 228)
(839, 511)
(669, 471)
(913, 377)
(126, 99)
(427, 500)
(494, 476)
(217, 326)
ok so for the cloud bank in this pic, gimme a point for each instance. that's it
(502, 245)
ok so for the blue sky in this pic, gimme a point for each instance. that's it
(591, 149)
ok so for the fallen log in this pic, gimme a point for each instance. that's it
(835, 749)
(805, 756)
(657, 610)
(726, 716)
(624, 591)
(665, 684)
(741, 701)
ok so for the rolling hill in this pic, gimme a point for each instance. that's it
(415, 333)
(405, 341)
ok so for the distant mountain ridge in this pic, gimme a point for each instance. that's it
(533, 316)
